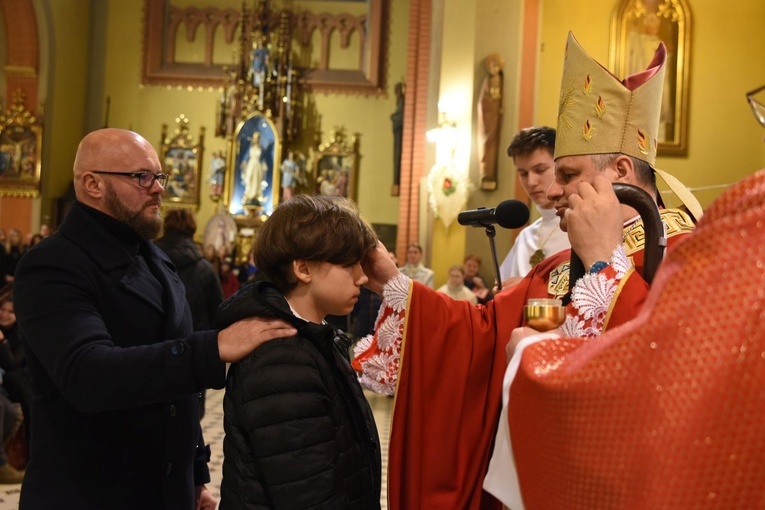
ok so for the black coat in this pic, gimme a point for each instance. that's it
(115, 372)
(203, 289)
(299, 431)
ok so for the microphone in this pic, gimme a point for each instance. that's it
(508, 214)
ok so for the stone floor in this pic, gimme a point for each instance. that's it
(212, 424)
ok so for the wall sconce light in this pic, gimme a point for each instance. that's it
(448, 185)
(445, 136)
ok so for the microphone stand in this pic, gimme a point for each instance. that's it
(491, 233)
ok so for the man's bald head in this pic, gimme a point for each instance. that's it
(111, 149)
(105, 159)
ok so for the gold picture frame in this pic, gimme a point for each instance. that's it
(335, 169)
(253, 187)
(181, 160)
(637, 27)
(20, 151)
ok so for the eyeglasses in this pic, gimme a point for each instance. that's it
(145, 178)
(757, 107)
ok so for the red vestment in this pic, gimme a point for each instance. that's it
(448, 394)
(668, 410)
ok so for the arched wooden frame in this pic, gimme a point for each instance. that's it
(162, 22)
(270, 154)
(637, 26)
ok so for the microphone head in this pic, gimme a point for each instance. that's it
(511, 214)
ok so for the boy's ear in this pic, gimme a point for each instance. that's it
(302, 271)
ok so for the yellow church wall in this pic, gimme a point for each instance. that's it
(472, 30)
(725, 143)
(145, 108)
(64, 94)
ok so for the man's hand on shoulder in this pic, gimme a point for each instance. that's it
(244, 336)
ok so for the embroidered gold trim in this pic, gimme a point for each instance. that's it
(675, 222)
(557, 285)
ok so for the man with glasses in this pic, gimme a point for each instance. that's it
(116, 369)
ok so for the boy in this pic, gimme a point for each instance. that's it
(532, 152)
(299, 431)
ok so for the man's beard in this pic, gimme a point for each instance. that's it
(147, 228)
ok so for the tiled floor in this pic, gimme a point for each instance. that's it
(212, 424)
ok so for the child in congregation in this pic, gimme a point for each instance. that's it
(299, 431)
(455, 286)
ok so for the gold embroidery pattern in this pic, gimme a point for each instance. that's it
(566, 102)
(675, 222)
(557, 285)
(587, 87)
(642, 141)
(600, 107)
(587, 130)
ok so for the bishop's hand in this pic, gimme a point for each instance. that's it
(594, 221)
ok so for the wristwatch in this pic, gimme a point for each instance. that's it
(597, 266)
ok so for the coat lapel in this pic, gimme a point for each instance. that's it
(175, 301)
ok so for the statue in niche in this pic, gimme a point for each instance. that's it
(259, 61)
(217, 173)
(490, 112)
(289, 170)
(397, 118)
(253, 171)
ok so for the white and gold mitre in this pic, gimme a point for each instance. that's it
(599, 114)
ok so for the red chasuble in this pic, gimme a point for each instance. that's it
(668, 410)
(448, 395)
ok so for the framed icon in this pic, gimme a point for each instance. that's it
(253, 189)
(181, 158)
(336, 166)
(637, 28)
(20, 151)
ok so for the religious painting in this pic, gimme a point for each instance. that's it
(180, 156)
(20, 152)
(336, 167)
(253, 189)
(221, 231)
(638, 27)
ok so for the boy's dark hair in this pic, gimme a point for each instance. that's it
(530, 139)
(180, 220)
(315, 228)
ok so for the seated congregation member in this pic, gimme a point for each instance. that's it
(16, 380)
(455, 286)
(532, 150)
(416, 326)
(665, 412)
(299, 431)
(116, 367)
(10, 420)
(473, 281)
(414, 267)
